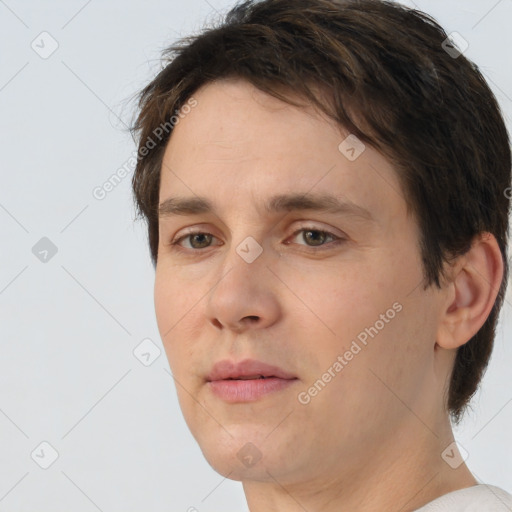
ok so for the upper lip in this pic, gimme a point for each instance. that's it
(227, 369)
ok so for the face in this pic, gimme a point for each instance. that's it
(332, 297)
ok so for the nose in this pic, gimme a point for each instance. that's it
(246, 295)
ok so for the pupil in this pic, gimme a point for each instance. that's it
(205, 236)
(321, 235)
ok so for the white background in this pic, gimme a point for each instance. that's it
(68, 326)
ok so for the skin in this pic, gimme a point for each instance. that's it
(372, 438)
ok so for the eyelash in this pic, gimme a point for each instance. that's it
(336, 239)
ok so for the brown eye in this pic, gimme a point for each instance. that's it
(202, 239)
(197, 240)
(314, 236)
(317, 238)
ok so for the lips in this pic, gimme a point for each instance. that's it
(248, 369)
(247, 381)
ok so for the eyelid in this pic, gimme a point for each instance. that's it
(192, 231)
(336, 239)
(335, 242)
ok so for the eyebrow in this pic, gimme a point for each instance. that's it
(276, 204)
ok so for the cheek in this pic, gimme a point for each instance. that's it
(165, 306)
(174, 295)
(367, 313)
(173, 307)
(180, 315)
(340, 301)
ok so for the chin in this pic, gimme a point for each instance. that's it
(245, 454)
(230, 466)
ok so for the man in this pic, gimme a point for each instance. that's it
(325, 189)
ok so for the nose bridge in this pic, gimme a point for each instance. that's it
(246, 235)
(245, 290)
(244, 267)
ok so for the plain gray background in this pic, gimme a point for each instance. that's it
(69, 324)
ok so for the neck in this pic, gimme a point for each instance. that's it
(402, 474)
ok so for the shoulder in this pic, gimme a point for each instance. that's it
(478, 498)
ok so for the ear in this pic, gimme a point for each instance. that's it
(471, 292)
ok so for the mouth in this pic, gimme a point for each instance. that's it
(247, 381)
(247, 369)
(249, 377)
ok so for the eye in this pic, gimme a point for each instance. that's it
(312, 236)
(200, 237)
(316, 237)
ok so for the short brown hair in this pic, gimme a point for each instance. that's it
(387, 77)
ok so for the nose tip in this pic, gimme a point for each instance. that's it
(238, 326)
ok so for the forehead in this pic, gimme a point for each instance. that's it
(239, 143)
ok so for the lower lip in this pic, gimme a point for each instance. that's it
(247, 390)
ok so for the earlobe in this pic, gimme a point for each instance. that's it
(473, 289)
